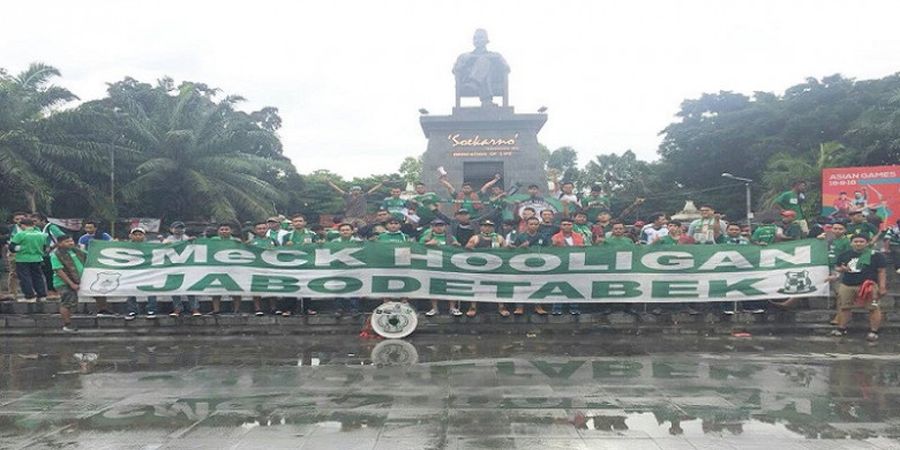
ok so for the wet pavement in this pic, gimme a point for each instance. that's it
(450, 392)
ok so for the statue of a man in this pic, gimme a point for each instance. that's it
(476, 71)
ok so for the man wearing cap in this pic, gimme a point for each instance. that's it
(393, 233)
(462, 228)
(276, 232)
(863, 284)
(487, 238)
(788, 229)
(355, 201)
(138, 235)
(177, 233)
(859, 225)
(793, 200)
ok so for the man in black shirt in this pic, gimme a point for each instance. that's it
(548, 228)
(531, 237)
(860, 268)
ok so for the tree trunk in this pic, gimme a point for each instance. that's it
(32, 203)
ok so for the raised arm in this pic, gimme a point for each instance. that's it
(335, 187)
(449, 186)
(488, 185)
(637, 202)
(375, 188)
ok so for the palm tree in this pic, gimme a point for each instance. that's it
(199, 157)
(34, 154)
(784, 169)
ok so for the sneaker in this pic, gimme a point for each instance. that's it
(728, 312)
(286, 314)
(105, 313)
(575, 312)
(431, 312)
(455, 312)
(41, 299)
(196, 314)
(557, 312)
(151, 315)
(838, 333)
(259, 314)
(72, 329)
(872, 336)
(130, 316)
(173, 314)
(755, 311)
(691, 311)
(278, 312)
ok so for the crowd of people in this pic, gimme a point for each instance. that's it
(44, 259)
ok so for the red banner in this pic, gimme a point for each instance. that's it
(872, 190)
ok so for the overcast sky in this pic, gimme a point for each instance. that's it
(348, 77)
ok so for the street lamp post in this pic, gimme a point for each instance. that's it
(746, 182)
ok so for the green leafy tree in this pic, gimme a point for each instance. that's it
(35, 156)
(199, 157)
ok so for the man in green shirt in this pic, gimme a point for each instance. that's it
(224, 233)
(29, 245)
(582, 227)
(595, 202)
(261, 239)
(839, 242)
(67, 263)
(437, 235)
(733, 236)
(395, 205)
(859, 225)
(393, 233)
(426, 204)
(345, 234)
(765, 233)
(618, 239)
(301, 235)
(672, 237)
(13, 279)
(793, 200)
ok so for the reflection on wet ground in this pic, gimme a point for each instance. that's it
(449, 392)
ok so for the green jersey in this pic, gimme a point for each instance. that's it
(618, 241)
(836, 247)
(764, 234)
(737, 240)
(425, 202)
(595, 204)
(395, 206)
(666, 240)
(219, 238)
(350, 239)
(397, 236)
(585, 231)
(790, 201)
(56, 264)
(261, 242)
(862, 228)
(29, 245)
(298, 237)
(442, 239)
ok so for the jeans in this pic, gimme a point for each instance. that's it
(192, 303)
(131, 305)
(31, 279)
(347, 304)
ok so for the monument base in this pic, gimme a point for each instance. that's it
(475, 143)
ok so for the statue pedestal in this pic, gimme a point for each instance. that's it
(474, 143)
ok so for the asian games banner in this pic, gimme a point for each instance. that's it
(872, 190)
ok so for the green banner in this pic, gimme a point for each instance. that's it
(689, 273)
